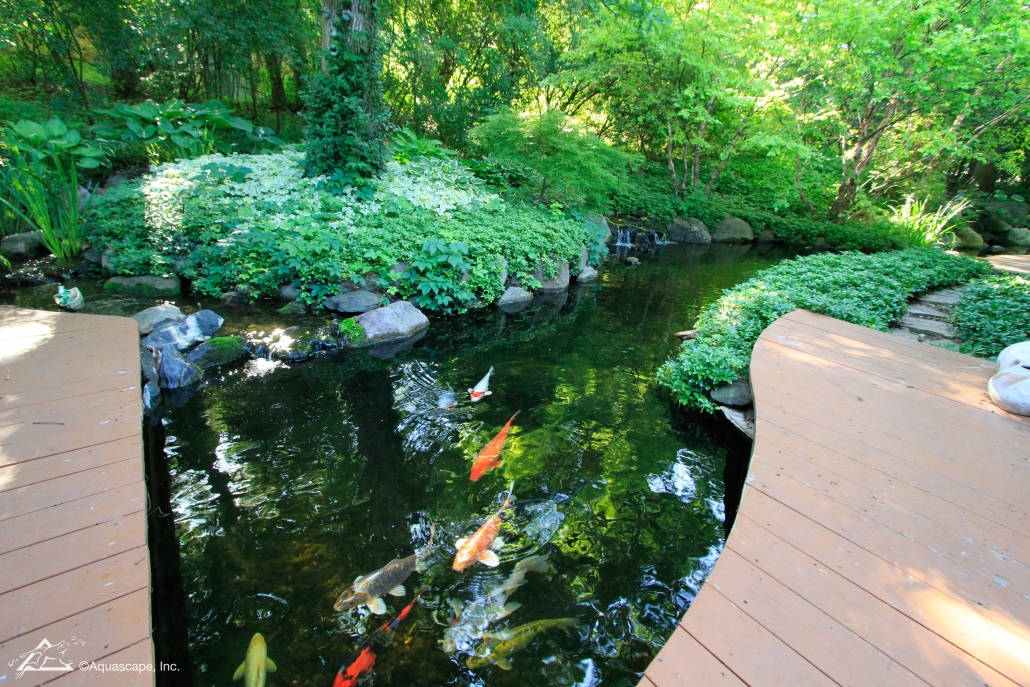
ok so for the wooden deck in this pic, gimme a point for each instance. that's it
(1020, 264)
(883, 537)
(73, 542)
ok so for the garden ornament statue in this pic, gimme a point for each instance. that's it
(69, 299)
(1010, 387)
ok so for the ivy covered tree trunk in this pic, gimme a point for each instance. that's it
(345, 110)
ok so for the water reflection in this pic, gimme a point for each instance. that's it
(290, 480)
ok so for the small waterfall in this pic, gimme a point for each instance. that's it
(624, 238)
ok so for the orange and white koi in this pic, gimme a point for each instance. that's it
(490, 457)
(482, 389)
(483, 543)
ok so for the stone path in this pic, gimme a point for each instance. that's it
(927, 319)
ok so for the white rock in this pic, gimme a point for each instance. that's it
(1010, 390)
(1016, 354)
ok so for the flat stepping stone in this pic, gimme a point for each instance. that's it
(949, 297)
(925, 326)
(922, 310)
(904, 334)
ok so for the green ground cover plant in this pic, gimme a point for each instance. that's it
(994, 313)
(255, 221)
(869, 290)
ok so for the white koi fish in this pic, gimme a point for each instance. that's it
(483, 388)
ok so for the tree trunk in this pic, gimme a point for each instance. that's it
(274, 65)
(695, 172)
(330, 12)
(672, 163)
(857, 158)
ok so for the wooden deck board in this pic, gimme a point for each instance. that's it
(883, 537)
(73, 546)
(1020, 264)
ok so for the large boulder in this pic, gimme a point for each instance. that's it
(514, 299)
(177, 372)
(1017, 236)
(352, 302)
(605, 230)
(736, 394)
(184, 332)
(146, 285)
(151, 317)
(398, 320)
(218, 351)
(965, 237)
(1010, 389)
(1016, 354)
(289, 292)
(689, 230)
(1010, 212)
(148, 364)
(560, 280)
(733, 230)
(22, 246)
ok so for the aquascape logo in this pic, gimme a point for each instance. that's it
(46, 657)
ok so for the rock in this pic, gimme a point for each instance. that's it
(148, 364)
(943, 297)
(766, 236)
(742, 420)
(177, 372)
(385, 351)
(107, 262)
(632, 262)
(736, 394)
(1006, 213)
(1010, 389)
(22, 246)
(289, 292)
(238, 298)
(84, 197)
(352, 302)
(293, 308)
(820, 244)
(28, 276)
(923, 310)
(923, 326)
(114, 180)
(504, 270)
(147, 285)
(151, 317)
(398, 320)
(733, 230)
(218, 351)
(689, 230)
(688, 335)
(599, 221)
(1016, 354)
(584, 256)
(514, 299)
(151, 396)
(184, 332)
(92, 256)
(1018, 236)
(965, 237)
(587, 275)
(559, 282)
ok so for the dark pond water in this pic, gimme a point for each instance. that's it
(285, 483)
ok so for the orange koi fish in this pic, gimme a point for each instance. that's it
(481, 545)
(372, 648)
(490, 457)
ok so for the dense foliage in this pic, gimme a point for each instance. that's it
(869, 290)
(255, 222)
(993, 313)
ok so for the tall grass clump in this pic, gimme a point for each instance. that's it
(47, 200)
(869, 290)
(918, 228)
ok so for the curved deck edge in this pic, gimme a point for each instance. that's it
(882, 537)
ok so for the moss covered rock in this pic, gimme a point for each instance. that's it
(146, 285)
(218, 351)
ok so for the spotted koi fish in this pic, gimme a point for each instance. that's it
(364, 659)
(482, 390)
(483, 543)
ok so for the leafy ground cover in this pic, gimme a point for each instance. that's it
(869, 290)
(994, 313)
(254, 222)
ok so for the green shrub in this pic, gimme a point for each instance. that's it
(569, 165)
(258, 221)
(993, 313)
(869, 290)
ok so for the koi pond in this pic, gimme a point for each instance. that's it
(277, 485)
